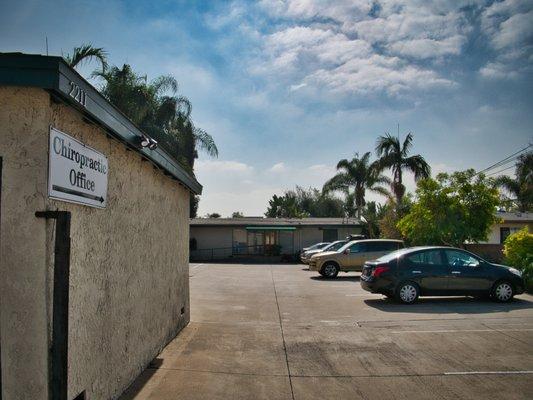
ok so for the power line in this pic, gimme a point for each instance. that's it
(505, 160)
(497, 172)
(501, 164)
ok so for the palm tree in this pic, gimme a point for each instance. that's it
(87, 52)
(156, 109)
(395, 156)
(360, 175)
(521, 188)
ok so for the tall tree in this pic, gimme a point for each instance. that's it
(157, 110)
(86, 52)
(300, 203)
(354, 178)
(451, 210)
(394, 155)
(520, 188)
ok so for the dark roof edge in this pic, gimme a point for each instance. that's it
(53, 74)
(314, 225)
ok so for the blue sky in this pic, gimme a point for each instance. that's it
(287, 88)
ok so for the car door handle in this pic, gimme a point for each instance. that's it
(456, 272)
(416, 272)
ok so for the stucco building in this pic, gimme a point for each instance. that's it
(94, 271)
(510, 222)
(219, 238)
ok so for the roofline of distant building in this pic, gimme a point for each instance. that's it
(277, 222)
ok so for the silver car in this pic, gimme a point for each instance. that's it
(334, 246)
(317, 246)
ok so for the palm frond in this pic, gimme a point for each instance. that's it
(382, 191)
(87, 52)
(206, 142)
(407, 144)
(183, 106)
(418, 166)
(340, 182)
(507, 183)
(387, 144)
(164, 83)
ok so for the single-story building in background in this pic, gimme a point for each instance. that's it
(219, 238)
(94, 238)
(511, 222)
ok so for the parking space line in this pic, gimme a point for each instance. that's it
(488, 372)
(466, 330)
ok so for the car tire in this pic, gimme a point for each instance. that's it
(502, 292)
(407, 292)
(329, 270)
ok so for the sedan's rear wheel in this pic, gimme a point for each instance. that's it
(407, 293)
(330, 270)
(503, 292)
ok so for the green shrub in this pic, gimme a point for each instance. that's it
(518, 251)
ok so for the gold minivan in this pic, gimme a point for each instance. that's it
(352, 256)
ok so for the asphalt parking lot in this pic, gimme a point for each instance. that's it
(281, 332)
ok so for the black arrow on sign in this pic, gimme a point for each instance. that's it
(77, 193)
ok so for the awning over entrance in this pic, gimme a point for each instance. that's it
(270, 228)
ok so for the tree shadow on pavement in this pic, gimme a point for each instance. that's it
(444, 305)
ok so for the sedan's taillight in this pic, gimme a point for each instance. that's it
(380, 270)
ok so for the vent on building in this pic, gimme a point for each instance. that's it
(182, 310)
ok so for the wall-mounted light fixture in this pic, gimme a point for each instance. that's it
(145, 141)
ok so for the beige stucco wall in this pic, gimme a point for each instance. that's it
(129, 262)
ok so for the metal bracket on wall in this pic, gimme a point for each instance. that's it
(58, 361)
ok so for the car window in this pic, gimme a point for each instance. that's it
(335, 246)
(374, 246)
(390, 246)
(457, 258)
(428, 257)
(382, 246)
(358, 248)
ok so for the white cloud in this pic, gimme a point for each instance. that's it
(358, 47)
(219, 166)
(236, 186)
(509, 28)
(497, 70)
(278, 168)
(514, 31)
(428, 48)
(377, 73)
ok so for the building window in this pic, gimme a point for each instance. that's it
(504, 232)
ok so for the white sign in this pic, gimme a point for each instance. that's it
(76, 173)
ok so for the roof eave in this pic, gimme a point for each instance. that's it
(53, 74)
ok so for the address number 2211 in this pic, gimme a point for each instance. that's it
(77, 93)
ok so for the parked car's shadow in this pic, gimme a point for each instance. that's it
(338, 278)
(445, 305)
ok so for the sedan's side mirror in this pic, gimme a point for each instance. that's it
(347, 251)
